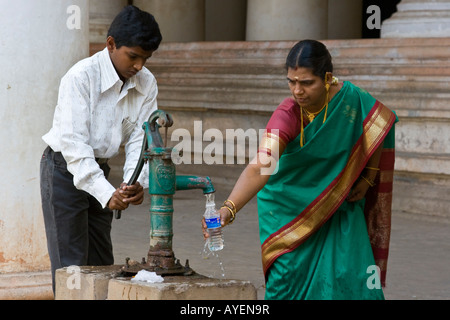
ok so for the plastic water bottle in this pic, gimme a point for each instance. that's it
(212, 219)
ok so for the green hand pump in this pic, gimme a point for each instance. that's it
(163, 182)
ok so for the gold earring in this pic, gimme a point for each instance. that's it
(327, 86)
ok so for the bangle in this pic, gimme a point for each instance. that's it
(233, 206)
(232, 209)
(233, 214)
(370, 182)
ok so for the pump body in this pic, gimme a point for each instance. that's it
(163, 183)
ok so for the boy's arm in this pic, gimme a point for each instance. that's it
(73, 104)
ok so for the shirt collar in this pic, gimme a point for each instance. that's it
(137, 80)
(109, 76)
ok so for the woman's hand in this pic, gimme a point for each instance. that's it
(361, 186)
(358, 191)
(225, 217)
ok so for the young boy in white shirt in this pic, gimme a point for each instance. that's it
(103, 102)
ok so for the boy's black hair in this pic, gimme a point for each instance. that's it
(133, 27)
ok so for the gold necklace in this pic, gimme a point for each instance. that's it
(312, 115)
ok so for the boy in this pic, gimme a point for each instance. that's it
(103, 102)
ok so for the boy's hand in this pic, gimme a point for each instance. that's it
(133, 194)
(117, 200)
(124, 195)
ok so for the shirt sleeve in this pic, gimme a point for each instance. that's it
(134, 144)
(73, 104)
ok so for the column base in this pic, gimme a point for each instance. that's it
(418, 20)
(26, 286)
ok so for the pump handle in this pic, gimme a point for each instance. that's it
(157, 120)
(152, 139)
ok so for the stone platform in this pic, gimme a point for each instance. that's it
(103, 283)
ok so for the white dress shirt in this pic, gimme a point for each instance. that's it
(94, 116)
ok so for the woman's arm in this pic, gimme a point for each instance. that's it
(369, 173)
(251, 180)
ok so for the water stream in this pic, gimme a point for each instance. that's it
(217, 269)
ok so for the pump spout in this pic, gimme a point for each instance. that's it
(194, 182)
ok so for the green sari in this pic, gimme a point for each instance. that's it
(315, 244)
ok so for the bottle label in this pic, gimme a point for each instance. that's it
(212, 222)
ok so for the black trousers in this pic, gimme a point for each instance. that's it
(78, 229)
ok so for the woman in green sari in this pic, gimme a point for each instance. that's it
(324, 209)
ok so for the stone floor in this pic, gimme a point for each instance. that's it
(418, 266)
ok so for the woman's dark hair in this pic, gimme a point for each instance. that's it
(133, 27)
(310, 54)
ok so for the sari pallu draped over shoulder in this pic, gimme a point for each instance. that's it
(313, 181)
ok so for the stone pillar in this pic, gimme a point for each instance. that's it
(39, 41)
(287, 19)
(179, 20)
(418, 19)
(101, 14)
(344, 19)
